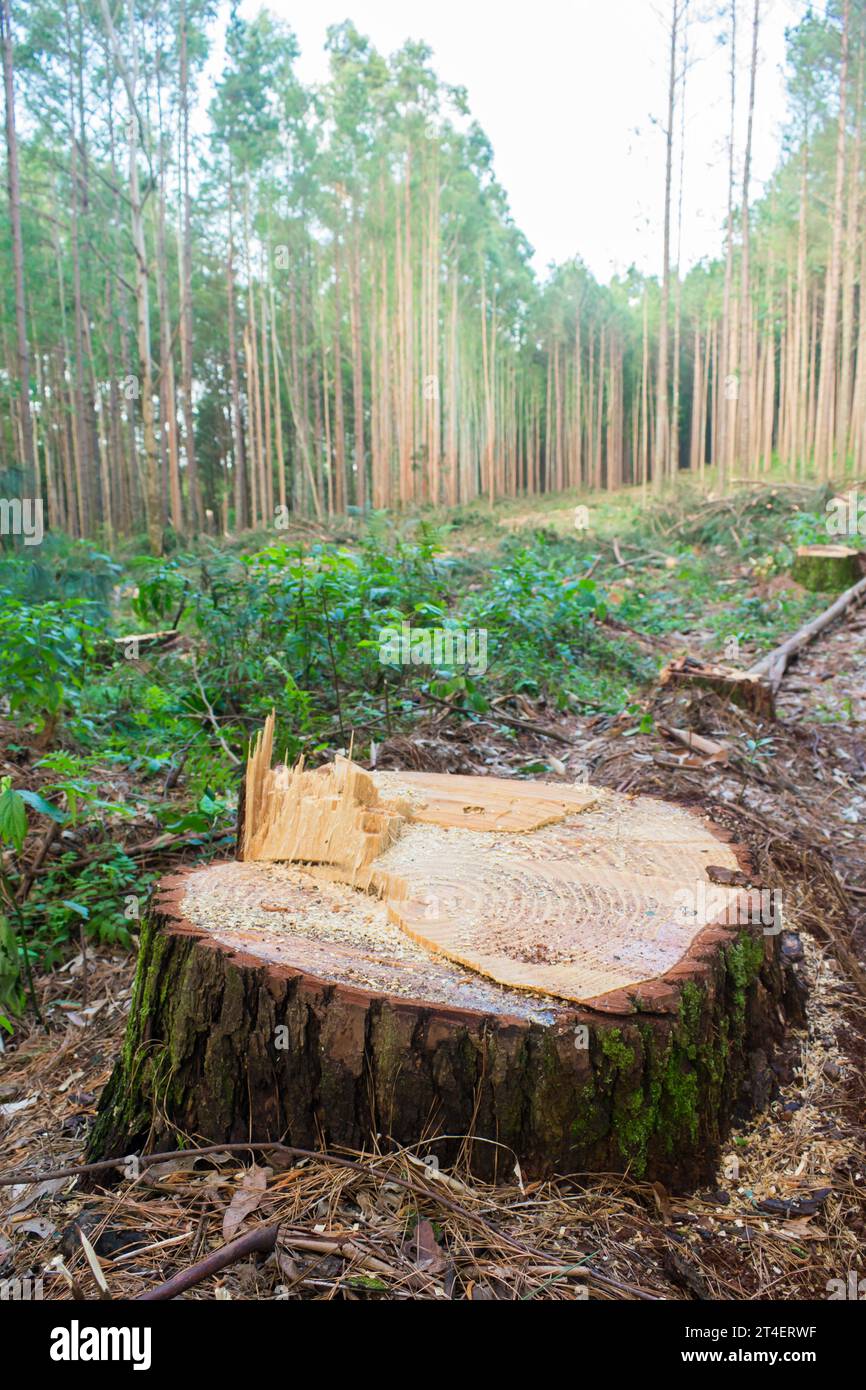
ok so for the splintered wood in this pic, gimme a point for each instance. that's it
(329, 816)
(565, 891)
(743, 688)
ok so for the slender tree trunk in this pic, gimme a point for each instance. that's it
(824, 424)
(663, 441)
(357, 370)
(727, 399)
(185, 258)
(744, 449)
(238, 461)
(129, 76)
(28, 456)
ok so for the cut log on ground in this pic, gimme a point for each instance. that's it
(478, 967)
(826, 569)
(742, 688)
(773, 666)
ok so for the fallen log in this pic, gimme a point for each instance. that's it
(773, 666)
(478, 967)
(715, 752)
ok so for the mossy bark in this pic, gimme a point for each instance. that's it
(826, 569)
(224, 1047)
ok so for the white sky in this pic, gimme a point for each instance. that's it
(570, 94)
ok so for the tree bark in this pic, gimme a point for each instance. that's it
(824, 426)
(647, 1081)
(663, 442)
(28, 458)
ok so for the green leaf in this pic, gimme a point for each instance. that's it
(43, 807)
(77, 907)
(194, 821)
(13, 819)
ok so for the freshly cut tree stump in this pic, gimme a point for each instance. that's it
(563, 976)
(826, 568)
(740, 687)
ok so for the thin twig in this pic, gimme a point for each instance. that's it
(232, 757)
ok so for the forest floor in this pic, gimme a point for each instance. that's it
(787, 1212)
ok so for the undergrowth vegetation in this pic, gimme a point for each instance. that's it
(114, 750)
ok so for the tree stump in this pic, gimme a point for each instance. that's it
(826, 568)
(740, 687)
(502, 971)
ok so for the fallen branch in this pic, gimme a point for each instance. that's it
(146, 639)
(648, 557)
(161, 845)
(642, 639)
(427, 1189)
(776, 662)
(113, 648)
(232, 757)
(350, 1251)
(260, 1241)
(716, 752)
(29, 878)
(529, 725)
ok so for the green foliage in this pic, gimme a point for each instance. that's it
(104, 896)
(44, 649)
(13, 816)
(59, 569)
(13, 831)
(299, 630)
(296, 630)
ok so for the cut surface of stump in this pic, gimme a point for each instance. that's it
(560, 973)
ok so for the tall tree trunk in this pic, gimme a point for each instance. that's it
(745, 366)
(849, 267)
(726, 396)
(185, 259)
(238, 460)
(28, 457)
(662, 441)
(129, 76)
(824, 422)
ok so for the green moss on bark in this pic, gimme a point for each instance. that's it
(652, 1093)
(825, 573)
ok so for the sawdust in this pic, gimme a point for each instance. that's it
(597, 901)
